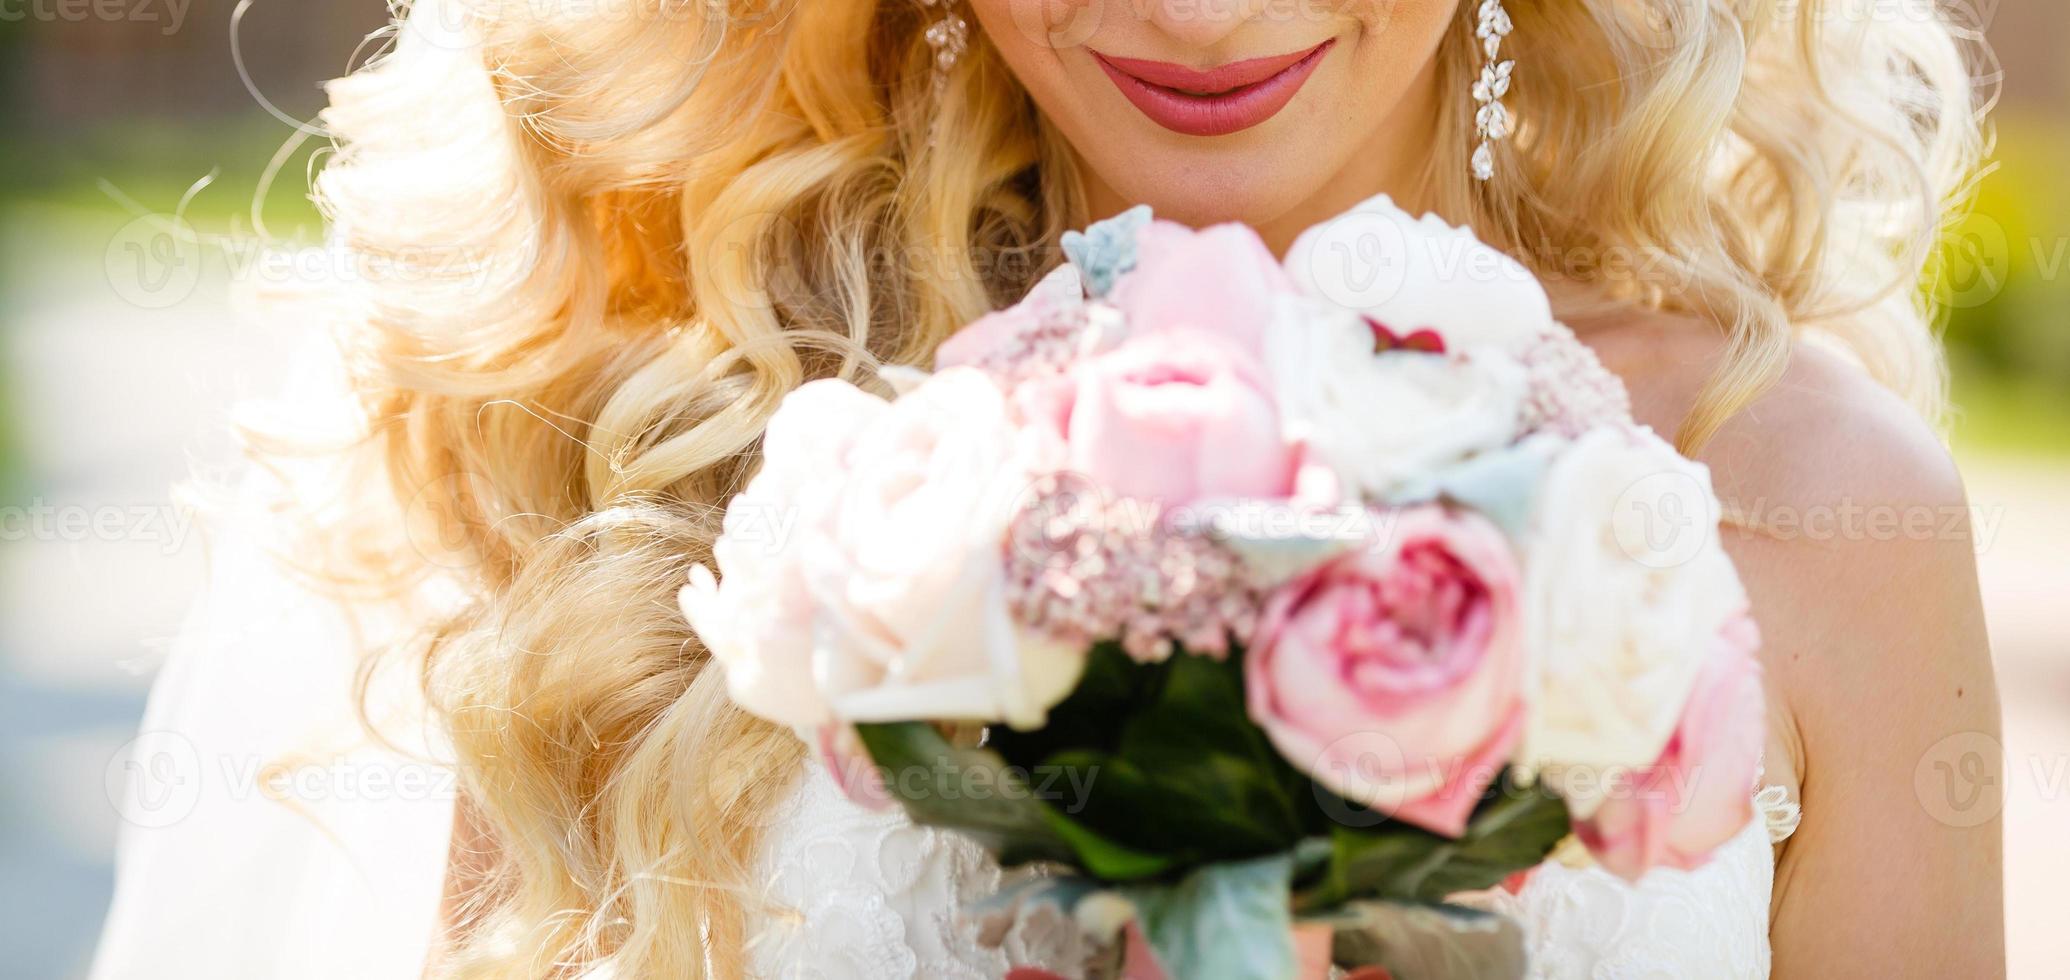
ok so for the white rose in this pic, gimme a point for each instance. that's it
(1420, 273)
(760, 622)
(1626, 586)
(1380, 421)
(908, 564)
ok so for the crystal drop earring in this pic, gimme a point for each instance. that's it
(947, 37)
(1491, 120)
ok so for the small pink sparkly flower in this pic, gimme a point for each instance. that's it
(1083, 568)
(1570, 390)
(1042, 334)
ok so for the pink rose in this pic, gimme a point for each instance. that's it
(1000, 339)
(1391, 674)
(1676, 811)
(1220, 280)
(1172, 417)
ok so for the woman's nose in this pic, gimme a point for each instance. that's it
(1199, 23)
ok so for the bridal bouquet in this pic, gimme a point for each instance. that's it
(1240, 594)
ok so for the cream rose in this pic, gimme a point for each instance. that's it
(906, 565)
(1699, 793)
(760, 622)
(1626, 588)
(1380, 420)
(1415, 274)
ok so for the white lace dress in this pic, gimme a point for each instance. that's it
(857, 894)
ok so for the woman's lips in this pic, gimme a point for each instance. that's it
(1214, 101)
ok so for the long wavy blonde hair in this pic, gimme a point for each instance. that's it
(611, 235)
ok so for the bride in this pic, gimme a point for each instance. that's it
(595, 243)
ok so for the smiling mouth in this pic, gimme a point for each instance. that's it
(1214, 101)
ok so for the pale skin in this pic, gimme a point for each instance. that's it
(1878, 668)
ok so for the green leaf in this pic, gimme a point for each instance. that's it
(1179, 768)
(1226, 921)
(1091, 717)
(976, 793)
(1429, 942)
(1213, 807)
(920, 768)
(1106, 859)
(1364, 863)
(1514, 829)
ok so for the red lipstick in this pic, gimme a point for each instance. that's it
(1214, 101)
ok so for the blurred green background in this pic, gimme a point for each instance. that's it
(2005, 282)
(117, 379)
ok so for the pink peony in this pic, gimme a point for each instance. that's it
(1678, 810)
(1221, 281)
(1391, 674)
(1172, 417)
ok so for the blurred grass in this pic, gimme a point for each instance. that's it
(153, 164)
(2006, 414)
(12, 475)
(2004, 279)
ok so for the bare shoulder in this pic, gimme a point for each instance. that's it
(1855, 543)
(1825, 434)
(1848, 516)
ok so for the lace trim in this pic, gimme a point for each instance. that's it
(1583, 923)
(853, 894)
(1778, 812)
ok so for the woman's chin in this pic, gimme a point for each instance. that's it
(1202, 190)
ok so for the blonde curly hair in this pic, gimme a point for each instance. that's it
(612, 235)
